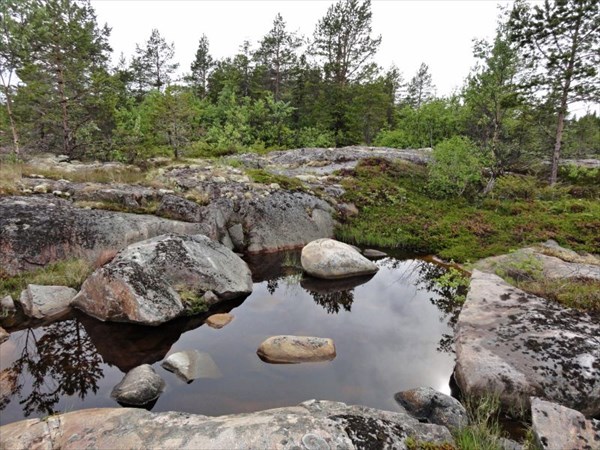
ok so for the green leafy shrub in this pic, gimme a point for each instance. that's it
(455, 169)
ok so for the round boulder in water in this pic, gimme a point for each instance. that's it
(331, 259)
(140, 386)
(296, 349)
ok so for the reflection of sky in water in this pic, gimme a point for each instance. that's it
(387, 343)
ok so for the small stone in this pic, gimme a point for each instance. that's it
(41, 188)
(274, 186)
(27, 191)
(427, 404)
(7, 304)
(140, 386)
(210, 298)
(4, 335)
(374, 254)
(219, 179)
(166, 191)
(46, 302)
(296, 349)
(219, 320)
(192, 364)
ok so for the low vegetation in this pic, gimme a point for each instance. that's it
(398, 208)
(264, 177)
(72, 273)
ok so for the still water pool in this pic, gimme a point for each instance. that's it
(392, 332)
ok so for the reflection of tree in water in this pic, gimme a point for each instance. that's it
(61, 362)
(445, 298)
(333, 302)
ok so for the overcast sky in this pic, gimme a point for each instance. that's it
(439, 33)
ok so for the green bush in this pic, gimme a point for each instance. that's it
(455, 169)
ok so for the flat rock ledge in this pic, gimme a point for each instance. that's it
(311, 425)
(557, 427)
(518, 345)
(296, 349)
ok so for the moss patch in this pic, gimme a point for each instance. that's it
(264, 177)
(71, 273)
(397, 211)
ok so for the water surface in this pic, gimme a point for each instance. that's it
(392, 332)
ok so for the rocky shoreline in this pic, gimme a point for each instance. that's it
(539, 358)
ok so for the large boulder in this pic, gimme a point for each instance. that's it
(557, 427)
(159, 279)
(518, 345)
(331, 259)
(35, 231)
(296, 349)
(310, 425)
(46, 302)
(428, 405)
(140, 386)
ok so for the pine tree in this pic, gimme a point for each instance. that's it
(343, 41)
(64, 69)
(420, 89)
(200, 67)
(277, 52)
(561, 40)
(153, 64)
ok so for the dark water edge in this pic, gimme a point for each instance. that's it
(392, 331)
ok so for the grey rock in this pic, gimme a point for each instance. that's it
(4, 335)
(425, 403)
(192, 364)
(236, 233)
(140, 386)
(142, 282)
(557, 427)
(518, 345)
(177, 208)
(35, 232)
(374, 254)
(330, 259)
(509, 444)
(296, 349)
(312, 424)
(46, 302)
(7, 304)
(551, 266)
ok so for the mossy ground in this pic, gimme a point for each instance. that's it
(397, 210)
(72, 273)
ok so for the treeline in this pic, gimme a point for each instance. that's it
(60, 92)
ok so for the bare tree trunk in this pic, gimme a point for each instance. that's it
(65, 112)
(13, 125)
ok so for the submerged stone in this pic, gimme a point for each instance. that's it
(219, 320)
(192, 364)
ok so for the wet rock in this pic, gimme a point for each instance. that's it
(427, 404)
(192, 364)
(142, 283)
(46, 302)
(139, 386)
(330, 259)
(518, 345)
(312, 424)
(4, 335)
(296, 349)
(219, 320)
(35, 231)
(374, 254)
(557, 427)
